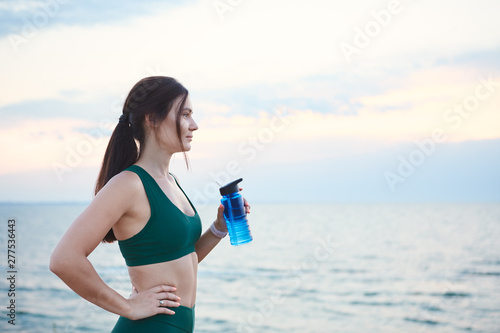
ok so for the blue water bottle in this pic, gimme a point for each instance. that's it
(235, 214)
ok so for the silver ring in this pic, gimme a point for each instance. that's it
(161, 303)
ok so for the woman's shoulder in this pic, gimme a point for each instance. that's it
(125, 182)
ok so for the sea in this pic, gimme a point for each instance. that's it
(351, 268)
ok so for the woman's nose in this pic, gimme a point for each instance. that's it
(193, 126)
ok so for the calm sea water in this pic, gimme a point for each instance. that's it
(311, 268)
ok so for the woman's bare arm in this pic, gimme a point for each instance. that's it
(69, 259)
(208, 240)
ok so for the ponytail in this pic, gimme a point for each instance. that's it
(120, 154)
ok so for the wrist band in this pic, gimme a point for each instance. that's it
(217, 233)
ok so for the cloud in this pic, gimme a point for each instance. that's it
(410, 111)
(38, 144)
(262, 58)
(15, 15)
(258, 43)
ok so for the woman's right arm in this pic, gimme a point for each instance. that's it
(69, 259)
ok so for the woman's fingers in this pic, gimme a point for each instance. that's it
(166, 300)
(163, 288)
(155, 300)
(165, 297)
(166, 311)
(247, 206)
(168, 304)
(168, 296)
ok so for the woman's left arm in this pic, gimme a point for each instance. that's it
(208, 240)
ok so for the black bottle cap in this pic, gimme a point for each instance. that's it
(232, 187)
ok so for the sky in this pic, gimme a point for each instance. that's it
(307, 101)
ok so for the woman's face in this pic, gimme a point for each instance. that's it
(168, 132)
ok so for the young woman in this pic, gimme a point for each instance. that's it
(140, 204)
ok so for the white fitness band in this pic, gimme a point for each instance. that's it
(217, 233)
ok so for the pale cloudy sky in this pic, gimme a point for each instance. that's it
(306, 100)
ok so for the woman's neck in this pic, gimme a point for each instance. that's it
(155, 160)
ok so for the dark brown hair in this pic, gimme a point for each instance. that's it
(153, 97)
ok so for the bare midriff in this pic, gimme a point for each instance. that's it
(180, 273)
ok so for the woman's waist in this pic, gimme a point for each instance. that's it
(180, 273)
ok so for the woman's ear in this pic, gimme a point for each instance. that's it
(150, 121)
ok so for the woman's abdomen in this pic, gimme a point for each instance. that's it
(180, 273)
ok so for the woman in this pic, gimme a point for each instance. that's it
(140, 204)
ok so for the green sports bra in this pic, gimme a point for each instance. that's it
(169, 234)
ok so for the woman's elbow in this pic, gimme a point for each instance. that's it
(55, 263)
(58, 263)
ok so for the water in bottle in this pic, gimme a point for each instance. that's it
(235, 214)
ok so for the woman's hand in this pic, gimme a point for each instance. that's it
(153, 301)
(247, 206)
(220, 222)
(245, 203)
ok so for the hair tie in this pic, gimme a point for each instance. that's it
(123, 119)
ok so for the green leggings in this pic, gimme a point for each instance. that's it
(181, 322)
